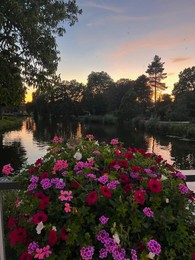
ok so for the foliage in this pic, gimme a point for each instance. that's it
(8, 123)
(156, 74)
(28, 50)
(85, 200)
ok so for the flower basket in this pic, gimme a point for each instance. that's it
(85, 200)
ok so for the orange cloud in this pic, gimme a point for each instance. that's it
(180, 59)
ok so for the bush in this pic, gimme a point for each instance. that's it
(83, 200)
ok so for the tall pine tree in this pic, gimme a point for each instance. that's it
(156, 75)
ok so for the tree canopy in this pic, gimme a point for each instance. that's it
(28, 30)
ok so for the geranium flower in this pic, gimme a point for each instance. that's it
(106, 192)
(67, 207)
(114, 141)
(25, 256)
(139, 196)
(18, 235)
(65, 195)
(7, 169)
(52, 237)
(92, 197)
(39, 217)
(155, 185)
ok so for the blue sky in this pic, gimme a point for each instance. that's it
(122, 37)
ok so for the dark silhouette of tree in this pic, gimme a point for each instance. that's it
(28, 49)
(164, 107)
(184, 92)
(144, 94)
(156, 75)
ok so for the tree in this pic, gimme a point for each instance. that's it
(186, 82)
(144, 94)
(98, 82)
(156, 74)
(184, 91)
(28, 31)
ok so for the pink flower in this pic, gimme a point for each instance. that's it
(57, 140)
(90, 137)
(67, 207)
(43, 252)
(114, 141)
(60, 165)
(7, 169)
(65, 195)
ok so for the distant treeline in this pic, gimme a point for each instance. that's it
(125, 99)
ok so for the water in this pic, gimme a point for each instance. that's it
(32, 139)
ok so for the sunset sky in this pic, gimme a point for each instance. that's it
(122, 38)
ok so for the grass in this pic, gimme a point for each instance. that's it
(8, 123)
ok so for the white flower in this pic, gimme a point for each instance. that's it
(151, 255)
(97, 143)
(54, 228)
(167, 200)
(163, 177)
(39, 227)
(78, 156)
(116, 238)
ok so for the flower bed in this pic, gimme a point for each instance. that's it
(86, 200)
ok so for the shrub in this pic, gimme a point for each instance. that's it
(86, 200)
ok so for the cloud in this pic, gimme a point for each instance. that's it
(103, 7)
(165, 39)
(180, 59)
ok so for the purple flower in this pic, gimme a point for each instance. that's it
(46, 183)
(32, 247)
(34, 179)
(183, 188)
(96, 152)
(60, 185)
(148, 212)
(154, 247)
(112, 184)
(55, 180)
(102, 236)
(134, 254)
(134, 175)
(103, 219)
(87, 252)
(103, 179)
(180, 175)
(103, 253)
(32, 186)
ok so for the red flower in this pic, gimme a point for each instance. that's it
(124, 178)
(25, 256)
(128, 155)
(193, 256)
(18, 235)
(92, 197)
(141, 247)
(136, 169)
(128, 187)
(74, 185)
(38, 217)
(43, 203)
(124, 164)
(139, 196)
(106, 192)
(142, 151)
(105, 172)
(11, 222)
(38, 162)
(40, 195)
(113, 163)
(63, 234)
(52, 237)
(154, 185)
(44, 175)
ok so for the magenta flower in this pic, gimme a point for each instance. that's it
(183, 188)
(60, 165)
(7, 169)
(154, 247)
(114, 141)
(148, 212)
(87, 252)
(103, 219)
(67, 207)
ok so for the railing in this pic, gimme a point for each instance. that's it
(6, 184)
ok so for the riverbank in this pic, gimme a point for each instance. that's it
(9, 123)
(181, 130)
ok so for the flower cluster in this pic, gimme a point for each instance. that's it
(86, 200)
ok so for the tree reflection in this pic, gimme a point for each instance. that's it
(13, 153)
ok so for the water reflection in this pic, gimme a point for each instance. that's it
(32, 140)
